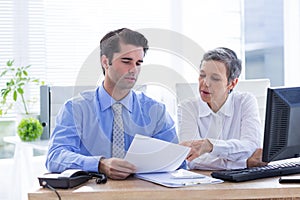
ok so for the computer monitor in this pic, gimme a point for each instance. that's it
(51, 100)
(282, 124)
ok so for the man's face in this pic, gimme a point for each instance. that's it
(125, 67)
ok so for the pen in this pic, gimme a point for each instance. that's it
(201, 182)
(191, 183)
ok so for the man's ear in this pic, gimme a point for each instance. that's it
(104, 61)
(233, 83)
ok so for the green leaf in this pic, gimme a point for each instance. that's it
(27, 66)
(3, 73)
(36, 81)
(3, 90)
(20, 90)
(10, 83)
(9, 63)
(19, 73)
(6, 92)
(25, 73)
(15, 95)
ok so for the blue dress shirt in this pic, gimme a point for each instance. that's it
(83, 132)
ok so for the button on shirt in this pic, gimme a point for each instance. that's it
(83, 131)
(234, 131)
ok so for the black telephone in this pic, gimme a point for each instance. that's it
(69, 178)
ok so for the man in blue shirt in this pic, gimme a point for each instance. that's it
(82, 137)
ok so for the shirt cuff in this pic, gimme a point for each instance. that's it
(220, 148)
(238, 164)
(91, 163)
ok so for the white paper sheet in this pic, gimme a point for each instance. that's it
(154, 155)
(167, 178)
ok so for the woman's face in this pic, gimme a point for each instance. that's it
(213, 84)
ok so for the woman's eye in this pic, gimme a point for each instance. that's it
(215, 79)
(202, 75)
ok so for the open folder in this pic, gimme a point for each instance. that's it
(178, 178)
(158, 161)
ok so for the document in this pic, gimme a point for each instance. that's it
(178, 178)
(153, 155)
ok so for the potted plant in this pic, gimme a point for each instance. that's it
(15, 86)
(29, 129)
(13, 92)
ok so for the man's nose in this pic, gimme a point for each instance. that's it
(133, 68)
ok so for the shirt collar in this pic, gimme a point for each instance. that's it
(106, 101)
(226, 109)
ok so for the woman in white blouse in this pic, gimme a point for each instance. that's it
(221, 126)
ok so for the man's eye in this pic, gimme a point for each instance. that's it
(202, 75)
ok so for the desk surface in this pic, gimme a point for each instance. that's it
(132, 188)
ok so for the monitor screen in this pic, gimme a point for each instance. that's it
(282, 124)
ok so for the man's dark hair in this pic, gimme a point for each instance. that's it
(228, 57)
(110, 43)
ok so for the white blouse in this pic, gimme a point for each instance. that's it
(235, 130)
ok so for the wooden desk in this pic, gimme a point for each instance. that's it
(132, 188)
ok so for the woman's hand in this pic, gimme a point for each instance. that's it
(198, 147)
(256, 159)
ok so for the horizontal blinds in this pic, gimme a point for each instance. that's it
(57, 37)
(74, 29)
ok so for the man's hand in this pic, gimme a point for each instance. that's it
(116, 168)
(256, 159)
(198, 147)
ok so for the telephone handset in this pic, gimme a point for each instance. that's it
(69, 178)
(73, 173)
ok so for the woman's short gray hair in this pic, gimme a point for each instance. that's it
(228, 57)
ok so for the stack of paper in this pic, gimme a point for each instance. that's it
(158, 161)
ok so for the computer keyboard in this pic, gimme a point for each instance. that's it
(238, 175)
